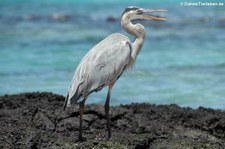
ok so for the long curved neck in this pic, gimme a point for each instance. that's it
(138, 31)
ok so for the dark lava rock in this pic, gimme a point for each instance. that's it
(111, 19)
(36, 120)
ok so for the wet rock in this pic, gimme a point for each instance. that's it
(69, 124)
(28, 17)
(36, 120)
(41, 121)
(111, 19)
(60, 17)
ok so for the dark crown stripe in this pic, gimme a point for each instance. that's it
(129, 9)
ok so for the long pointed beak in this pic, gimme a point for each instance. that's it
(151, 17)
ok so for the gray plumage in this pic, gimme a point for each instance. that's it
(100, 67)
(106, 62)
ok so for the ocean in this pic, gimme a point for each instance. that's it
(182, 61)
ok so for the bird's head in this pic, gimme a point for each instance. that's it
(133, 13)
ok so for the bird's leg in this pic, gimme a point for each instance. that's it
(107, 109)
(81, 119)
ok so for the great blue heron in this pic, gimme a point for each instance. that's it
(106, 62)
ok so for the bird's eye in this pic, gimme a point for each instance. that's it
(139, 11)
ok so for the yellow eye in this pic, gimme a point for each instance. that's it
(139, 11)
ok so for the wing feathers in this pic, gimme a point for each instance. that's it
(103, 64)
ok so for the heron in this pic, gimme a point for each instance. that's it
(103, 65)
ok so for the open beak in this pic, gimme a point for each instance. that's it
(151, 17)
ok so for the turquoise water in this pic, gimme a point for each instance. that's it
(182, 61)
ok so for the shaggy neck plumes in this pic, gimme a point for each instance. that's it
(138, 31)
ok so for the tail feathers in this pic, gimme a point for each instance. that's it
(72, 100)
(65, 103)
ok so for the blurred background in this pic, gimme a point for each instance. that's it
(181, 62)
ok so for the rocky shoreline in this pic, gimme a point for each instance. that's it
(36, 120)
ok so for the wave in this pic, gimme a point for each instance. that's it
(184, 68)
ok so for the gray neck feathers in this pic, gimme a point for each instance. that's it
(138, 31)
